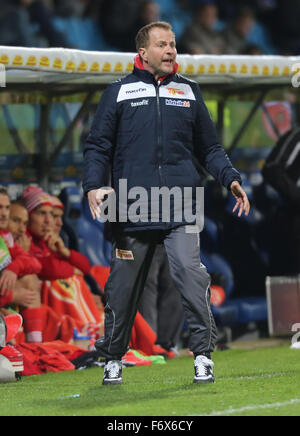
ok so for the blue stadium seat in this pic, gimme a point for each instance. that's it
(210, 236)
(90, 234)
(72, 200)
(260, 36)
(253, 310)
(216, 264)
(226, 315)
(98, 248)
(82, 33)
(92, 243)
(234, 311)
(176, 16)
(241, 311)
(167, 6)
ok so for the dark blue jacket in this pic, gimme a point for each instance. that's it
(152, 134)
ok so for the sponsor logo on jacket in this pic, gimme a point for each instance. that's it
(178, 103)
(134, 91)
(140, 103)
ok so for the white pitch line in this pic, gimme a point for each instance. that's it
(231, 411)
(257, 377)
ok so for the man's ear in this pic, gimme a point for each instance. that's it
(143, 55)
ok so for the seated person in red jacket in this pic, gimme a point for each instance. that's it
(63, 269)
(58, 213)
(19, 284)
(58, 262)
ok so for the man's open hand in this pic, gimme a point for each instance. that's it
(242, 202)
(95, 198)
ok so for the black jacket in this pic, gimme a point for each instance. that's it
(153, 134)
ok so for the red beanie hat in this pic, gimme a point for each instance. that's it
(34, 197)
(57, 203)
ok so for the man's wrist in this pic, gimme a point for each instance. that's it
(233, 183)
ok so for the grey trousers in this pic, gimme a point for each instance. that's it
(160, 303)
(132, 255)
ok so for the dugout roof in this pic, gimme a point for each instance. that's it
(75, 69)
(47, 76)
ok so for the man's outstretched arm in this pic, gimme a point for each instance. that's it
(99, 145)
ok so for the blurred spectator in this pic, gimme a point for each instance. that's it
(149, 11)
(179, 16)
(117, 19)
(252, 50)
(92, 8)
(285, 28)
(78, 20)
(228, 8)
(263, 10)
(69, 8)
(28, 23)
(42, 18)
(143, 13)
(15, 26)
(201, 37)
(236, 34)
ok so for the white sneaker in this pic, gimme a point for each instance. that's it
(113, 373)
(203, 370)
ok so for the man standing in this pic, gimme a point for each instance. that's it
(151, 127)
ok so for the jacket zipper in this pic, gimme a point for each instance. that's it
(159, 132)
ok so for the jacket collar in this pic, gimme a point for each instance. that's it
(139, 69)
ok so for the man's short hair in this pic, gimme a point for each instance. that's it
(142, 37)
(18, 202)
(4, 191)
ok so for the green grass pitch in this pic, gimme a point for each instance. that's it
(249, 382)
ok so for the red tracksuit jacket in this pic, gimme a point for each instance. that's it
(54, 266)
(22, 264)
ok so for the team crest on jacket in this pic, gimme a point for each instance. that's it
(180, 91)
(124, 254)
(175, 91)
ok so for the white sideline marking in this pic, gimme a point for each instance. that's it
(231, 411)
(257, 377)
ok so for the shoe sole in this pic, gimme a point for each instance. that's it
(112, 382)
(204, 382)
